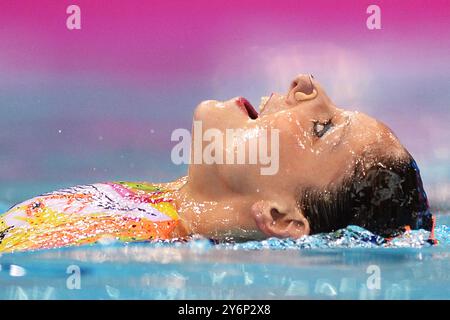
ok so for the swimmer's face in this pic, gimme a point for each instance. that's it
(317, 147)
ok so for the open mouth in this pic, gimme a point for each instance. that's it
(247, 107)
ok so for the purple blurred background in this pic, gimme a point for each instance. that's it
(100, 103)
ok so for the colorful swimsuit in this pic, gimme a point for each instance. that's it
(87, 214)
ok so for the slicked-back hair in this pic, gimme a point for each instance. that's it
(383, 197)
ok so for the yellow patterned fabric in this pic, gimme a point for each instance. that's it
(87, 214)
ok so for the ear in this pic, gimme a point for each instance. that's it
(280, 220)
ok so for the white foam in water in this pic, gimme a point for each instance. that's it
(350, 237)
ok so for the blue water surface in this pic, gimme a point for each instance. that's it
(351, 263)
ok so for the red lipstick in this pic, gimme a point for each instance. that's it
(246, 106)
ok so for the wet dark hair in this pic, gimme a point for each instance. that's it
(380, 196)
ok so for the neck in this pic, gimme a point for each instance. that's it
(223, 216)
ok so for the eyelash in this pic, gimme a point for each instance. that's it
(326, 125)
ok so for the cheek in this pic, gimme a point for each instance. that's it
(295, 157)
(303, 163)
(295, 131)
(295, 143)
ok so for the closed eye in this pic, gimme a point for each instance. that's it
(320, 128)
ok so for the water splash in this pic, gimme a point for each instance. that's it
(322, 266)
(349, 237)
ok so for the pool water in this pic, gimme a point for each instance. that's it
(349, 264)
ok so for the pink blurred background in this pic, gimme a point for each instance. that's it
(100, 103)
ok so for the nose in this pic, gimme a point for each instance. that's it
(301, 89)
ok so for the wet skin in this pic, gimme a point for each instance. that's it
(318, 146)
